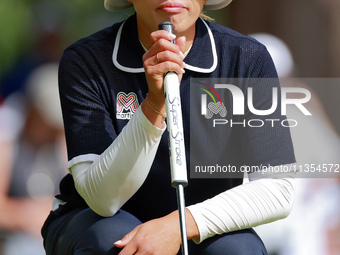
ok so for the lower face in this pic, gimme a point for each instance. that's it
(182, 13)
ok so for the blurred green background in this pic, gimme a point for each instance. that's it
(24, 23)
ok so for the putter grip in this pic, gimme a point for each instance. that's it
(174, 123)
(167, 26)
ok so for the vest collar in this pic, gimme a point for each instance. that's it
(128, 51)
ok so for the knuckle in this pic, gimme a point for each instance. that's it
(148, 71)
(163, 44)
(161, 41)
(139, 240)
(145, 57)
(147, 249)
(166, 55)
(168, 66)
(147, 63)
(177, 48)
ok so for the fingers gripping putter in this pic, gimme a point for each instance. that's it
(178, 166)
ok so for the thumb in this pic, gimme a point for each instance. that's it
(126, 239)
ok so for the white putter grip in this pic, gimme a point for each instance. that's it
(174, 123)
(175, 130)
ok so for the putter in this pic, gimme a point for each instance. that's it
(174, 120)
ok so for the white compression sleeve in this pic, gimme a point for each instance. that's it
(111, 180)
(245, 206)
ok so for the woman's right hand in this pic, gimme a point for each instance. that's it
(162, 57)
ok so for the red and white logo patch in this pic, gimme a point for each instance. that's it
(127, 105)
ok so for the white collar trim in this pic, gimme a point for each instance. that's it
(115, 54)
(213, 49)
(141, 69)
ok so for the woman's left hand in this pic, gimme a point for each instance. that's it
(158, 236)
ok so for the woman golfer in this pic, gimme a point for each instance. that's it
(117, 198)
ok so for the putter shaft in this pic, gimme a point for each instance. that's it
(182, 218)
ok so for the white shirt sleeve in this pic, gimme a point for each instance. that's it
(113, 177)
(256, 202)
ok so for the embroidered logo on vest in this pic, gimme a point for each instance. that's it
(127, 105)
